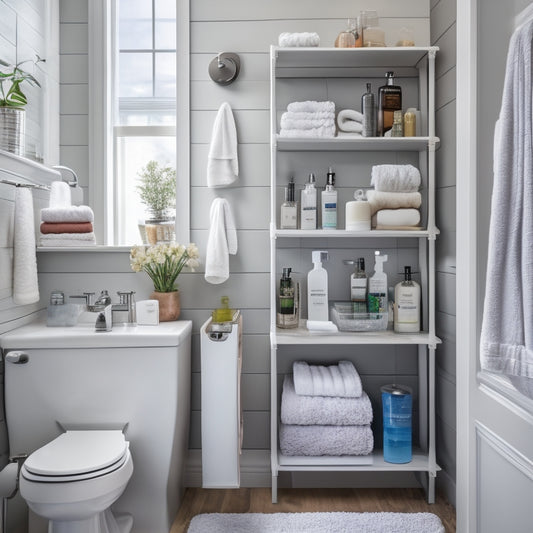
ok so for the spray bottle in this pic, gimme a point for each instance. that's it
(317, 289)
(377, 287)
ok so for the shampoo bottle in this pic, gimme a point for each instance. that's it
(377, 287)
(329, 202)
(407, 304)
(389, 101)
(289, 209)
(287, 316)
(317, 289)
(308, 205)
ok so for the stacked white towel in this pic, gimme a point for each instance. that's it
(308, 119)
(287, 39)
(350, 123)
(331, 417)
(63, 224)
(395, 200)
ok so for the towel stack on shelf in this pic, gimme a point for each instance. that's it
(395, 200)
(308, 119)
(324, 411)
(350, 123)
(64, 224)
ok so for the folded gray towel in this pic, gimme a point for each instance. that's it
(330, 411)
(333, 380)
(325, 440)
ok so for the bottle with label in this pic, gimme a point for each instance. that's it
(407, 304)
(289, 209)
(397, 125)
(389, 101)
(377, 287)
(368, 108)
(317, 289)
(287, 316)
(308, 218)
(329, 202)
(359, 287)
(409, 123)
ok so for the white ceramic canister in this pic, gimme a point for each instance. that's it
(358, 213)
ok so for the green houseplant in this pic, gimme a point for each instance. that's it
(12, 104)
(157, 191)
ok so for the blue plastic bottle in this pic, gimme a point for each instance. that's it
(397, 423)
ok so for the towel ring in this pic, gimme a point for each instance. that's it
(224, 68)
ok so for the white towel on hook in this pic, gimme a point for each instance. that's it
(25, 283)
(222, 241)
(222, 161)
(60, 195)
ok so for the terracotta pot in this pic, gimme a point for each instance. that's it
(169, 305)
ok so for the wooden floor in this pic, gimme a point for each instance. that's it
(197, 501)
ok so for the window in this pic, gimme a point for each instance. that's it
(135, 93)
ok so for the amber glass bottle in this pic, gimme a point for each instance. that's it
(389, 101)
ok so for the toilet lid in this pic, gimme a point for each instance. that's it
(78, 452)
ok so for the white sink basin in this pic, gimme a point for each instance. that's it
(83, 335)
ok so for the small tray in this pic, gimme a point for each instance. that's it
(346, 320)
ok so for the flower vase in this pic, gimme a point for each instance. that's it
(12, 130)
(169, 305)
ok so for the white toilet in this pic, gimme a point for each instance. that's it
(73, 480)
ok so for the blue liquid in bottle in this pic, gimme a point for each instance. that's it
(397, 423)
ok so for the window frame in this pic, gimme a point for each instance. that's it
(102, 49)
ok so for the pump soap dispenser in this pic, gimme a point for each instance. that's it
(317, 289)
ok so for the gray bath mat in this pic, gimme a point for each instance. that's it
(316, 523)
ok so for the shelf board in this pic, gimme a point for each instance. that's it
(296, 59)
(419, 463)
(301, 335)
(344, 234)
(351, 144)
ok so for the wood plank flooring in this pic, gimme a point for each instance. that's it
(258, 500)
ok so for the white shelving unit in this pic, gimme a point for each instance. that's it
(301, 64)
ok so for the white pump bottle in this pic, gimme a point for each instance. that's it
(377, 287)
(317, 289)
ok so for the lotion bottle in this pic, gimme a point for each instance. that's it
(308, 217)
(377, 287)
(329, 202)
(289, 209)
(317, 289)
(407, 304)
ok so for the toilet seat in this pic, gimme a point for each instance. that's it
(77, 455)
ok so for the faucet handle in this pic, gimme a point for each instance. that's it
(126, 297)
(88, 296)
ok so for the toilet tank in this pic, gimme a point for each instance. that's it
(133, 378)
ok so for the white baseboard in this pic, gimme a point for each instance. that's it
(447, 485)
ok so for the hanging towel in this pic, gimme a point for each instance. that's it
(350, 120)
(395, 178)
(222, 241)
(322, 410)
(334, 380)
(325, 440)
(287, 39)
(25, 284)
(506, 344)
(60, 194)
(222, 161)
(74, 213)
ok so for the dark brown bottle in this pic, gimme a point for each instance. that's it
(389, 101)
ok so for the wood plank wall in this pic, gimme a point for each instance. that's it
(443, 34)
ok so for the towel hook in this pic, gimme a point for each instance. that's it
(224, 68)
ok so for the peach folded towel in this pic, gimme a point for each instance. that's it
(393, 200)
(66, 227)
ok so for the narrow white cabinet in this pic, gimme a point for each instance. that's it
(340, 75)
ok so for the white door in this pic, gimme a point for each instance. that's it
(494, 420)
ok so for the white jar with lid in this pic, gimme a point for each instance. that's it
(358, 213)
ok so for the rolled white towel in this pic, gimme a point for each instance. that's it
(74, 213)
(289, 123)
(395, 178)
(392, 200)
(323, 132)
(340, 380)
(311, 106)
(330, 411)
(350, 120)
(287, 39)
(325, 440)
(60, 195)
(396, 217)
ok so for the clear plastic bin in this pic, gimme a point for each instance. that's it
(346, 320)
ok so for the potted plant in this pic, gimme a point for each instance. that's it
(12, 105)
(164, 263)
(157, 191)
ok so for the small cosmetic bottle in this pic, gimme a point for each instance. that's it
(289, 209)
(308, 219)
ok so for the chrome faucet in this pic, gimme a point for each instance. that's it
(126, 303)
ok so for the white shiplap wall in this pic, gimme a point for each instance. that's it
(247, 28)
(443, 34)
